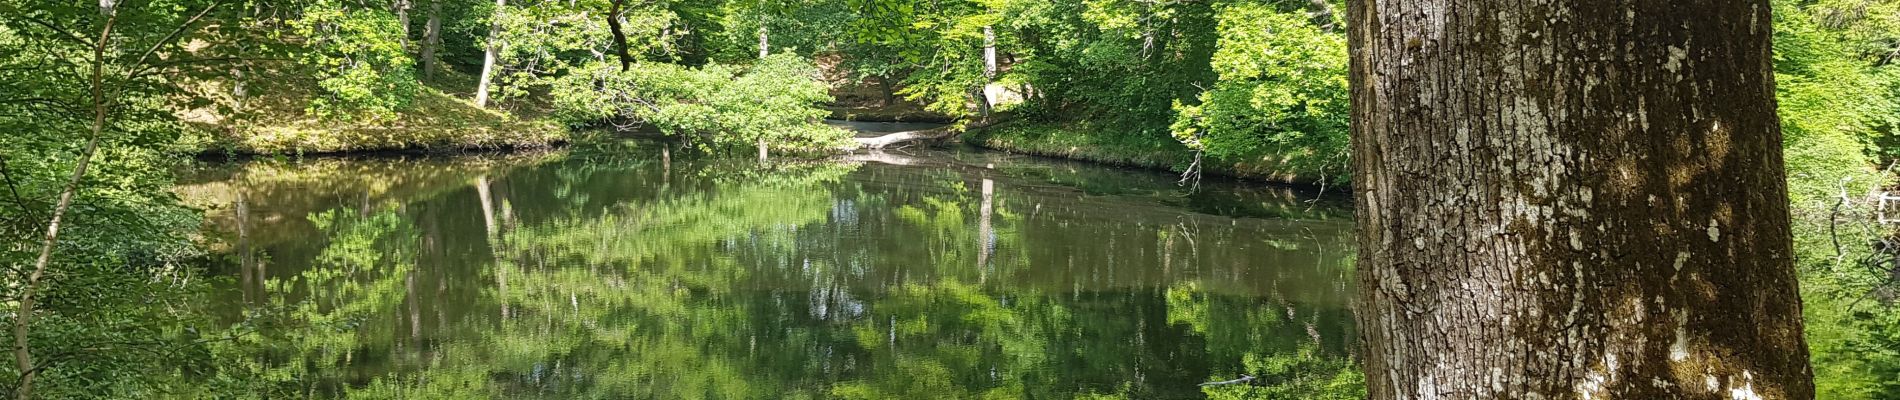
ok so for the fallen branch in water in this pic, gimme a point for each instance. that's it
(1243, 379)
(938, 133)
(942, 132)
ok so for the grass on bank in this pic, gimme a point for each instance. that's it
(274, 118)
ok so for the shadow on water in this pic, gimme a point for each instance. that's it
(644, 273)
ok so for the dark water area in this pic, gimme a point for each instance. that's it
(631, 271)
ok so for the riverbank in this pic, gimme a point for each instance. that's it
(437, 123)
(277, 119)
(1086, 141)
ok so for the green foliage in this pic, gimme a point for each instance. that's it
(1305, 370)
(1122, 61)
(116, 316)
(933, 47)
(1281, 101)
(774, 101)
(316, 318)
(1259, 85)
(1830, 103)
(544, 40)
(1839, 96)
(359, 58)
(802, 27)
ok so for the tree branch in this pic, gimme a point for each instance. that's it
(171, 37)
(14, 188)
(63, 34)
(620, 35)
(22, 320)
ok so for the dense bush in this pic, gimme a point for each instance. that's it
(359, 60)
(775, 100)
(1281, 101)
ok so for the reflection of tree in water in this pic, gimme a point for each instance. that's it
(319, 324)
(1280, 348)
(787, 283)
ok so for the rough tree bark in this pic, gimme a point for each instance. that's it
(1572, 200)
(488, 58)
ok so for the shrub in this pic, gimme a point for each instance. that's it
(776, 100)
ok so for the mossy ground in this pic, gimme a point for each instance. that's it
(275, 119)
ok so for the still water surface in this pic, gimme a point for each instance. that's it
(630, 271)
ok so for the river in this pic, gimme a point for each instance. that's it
(630, 270)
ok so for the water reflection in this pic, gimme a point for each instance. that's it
(642, 274)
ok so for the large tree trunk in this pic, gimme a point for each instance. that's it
(488, 58)
(432, 40)
(1572, 200)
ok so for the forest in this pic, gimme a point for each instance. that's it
(950, 199)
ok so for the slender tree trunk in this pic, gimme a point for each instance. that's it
(488, 58)
(1569, 200)
(889, 91)
(764, 153)
(989, 71)
(432, 40)
(989, 52)
(402, 18)
(620, 36)
(23, 318)
(238, 92)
